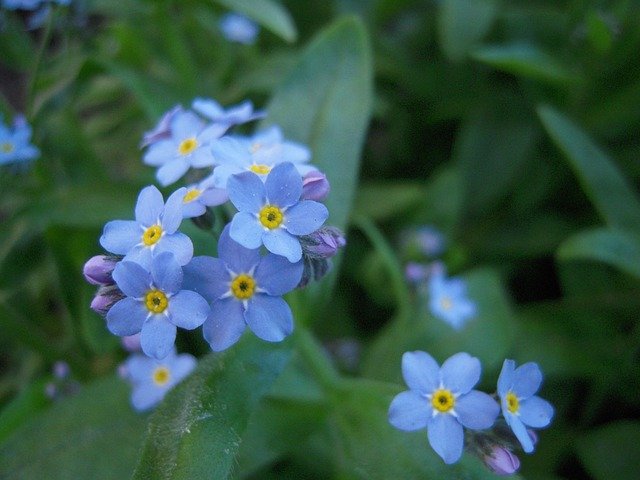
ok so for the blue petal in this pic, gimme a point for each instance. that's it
(157, 336)
(201, 158)
(132, 279)
(281, 242)
(238, 258)
(171, 171)
(520, 431)
(126, 317)
(139, 368)
(460, 372)
(420, 372)
(172, 214)
(222, 173)
(177, 243)
(120, 236)
(166, 273)
(477, 410)
(149, 206)
(446, 437)
(159, 153)
(228, 151)
(269, 318)
(182, 366)
(305, 217)
(207, 276)
(526, 380)
(246, 230)
(505, 380)
(141, 255)
(295, 152)
(535, 412)
(283, 185)
(246, 192)
(185, 125)
(224, 325)
(146, 396)
(409, 411)
(188, 309)
(276, 275)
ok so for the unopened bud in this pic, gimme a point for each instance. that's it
(502, 461)
(106, 297)
(131, 343)
(98, 269)
(315, 186)
(162, 130)
(322, 243)
(61, 369)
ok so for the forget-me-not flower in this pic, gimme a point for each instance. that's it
(448, 299)
(271, 213)
(234, 115)
(201, 195)
(155, 304)
(244, 288)
(520, 407)
(257, 154)
(152, 379)
(15, 143)
(154, 230)
(238, 28)
(441, 400)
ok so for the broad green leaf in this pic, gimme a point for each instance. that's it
(525, 60)
(616, 248)
(611, 451)
(463, 23)
(384, 200)
(197, 431)
(606, 186)
(22, 408)
(267, 13)
(94, 434)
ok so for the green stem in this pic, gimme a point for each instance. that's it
(316, 359)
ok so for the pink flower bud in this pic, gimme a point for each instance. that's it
(106, 297)
(98, 269)
(501, 461)
(315, 186)
(131, 343)
(323, 243)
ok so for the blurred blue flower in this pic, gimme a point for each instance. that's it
(154, 230)
(442, 401)
(155, 304)
(201, 195)
(520, 407)
(15, 143)
(427, 240)
(238, 28)
(21, 4)
(152, 379)
(234, 115)
(189, 146)
(244, 288)
(271, 213)
(258, 154)
(448, 299)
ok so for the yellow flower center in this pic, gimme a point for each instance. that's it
(151, 235)
(270, 217)
(156, 301)
(191, 195)
(6, 147)
(260, 168)
(446, 303)
(187, 146)
(243, 286)
(161, 375)
(443, 400)
(513, 405)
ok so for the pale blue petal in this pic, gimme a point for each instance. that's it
(166, 273)
(120, 236)
(146, 396)
(171, 171)
(160, 153)
(149, 206)
(269, 318)
(132, 279)
(157, 336)
(420, 372)
(126, 317)
(520, 431)
(246, 192)
(224, 325)
(460, 372)
(230, 152)
(185, 125)
(139, 368)
(276, 275)
(238, 258)
(409, 411)
(202, 157)
(182, 366)
(172, 214)
(281, 242)
(211, 133)
(179, 244)
(214, 196)
(222, 173)
(193, 209)
(526, 380)
(295, 152)
(141, 255)
(477, 410)
(305, 217)
(446, 437)
(505, 380)
(535, 412)
(207, 276)
(188, 309)
(283, 185)
(246, 230)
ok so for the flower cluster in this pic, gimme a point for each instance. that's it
(442, 400)
(151, 284)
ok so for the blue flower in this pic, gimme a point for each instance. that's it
(448, 299)
(189, 146)
(200, 196)
(152, 379)
(258, 154)
(442, 401)
(234, 115)
(238, 28)
(245, 289)
(15, 143)
(520, 407)
(154, 230)
(155, 304)
(21, 4)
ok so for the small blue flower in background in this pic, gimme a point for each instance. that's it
(441, 400)
(21, 4)
(200, 196)
(155, 304)
(520, 407)
(258, 154)
(234, 115)
(448, 299)
(15, 146)
(152, 379)
(189, 146)
(271, 213)
(426, 239)
(245, 289)
(238, 28)
(154, 230)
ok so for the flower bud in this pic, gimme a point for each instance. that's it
(162, 130)
(98, 269)
(502, 461)
(315, 186)
(106, 297)
(416, 272)
(61, 369)
(322, 243)
(131, 343)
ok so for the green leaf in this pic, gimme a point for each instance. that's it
(611, 451)
(267, 13)
(94, 434)
(608, 189)
(526, 61)
(616, 248)
(462, 23)
(384, 200)
(24, 406)
(197, 431)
